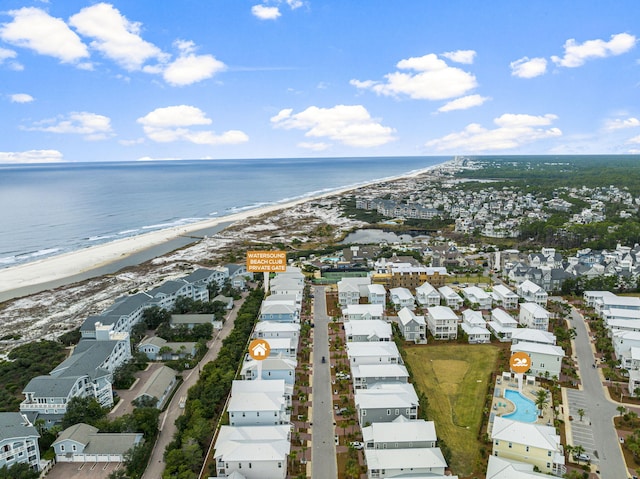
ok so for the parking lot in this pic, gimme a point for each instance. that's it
(79, 470)
(581, 429)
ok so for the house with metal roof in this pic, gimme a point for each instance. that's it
(402, 298)
(546, 359)
(367, 331)
(532, 336)
(502, 468)
(531, 292)
(379, 352)
(478, 296)
(270, 368)
(412, 327)
(272, 311)
(401, 433)
(121, 316)
(18, 441)
(363, 312)
(451, 299)
(505, 297)
(420, 462)
(367, 375)
(502, 324)
(385, 402)
(427, 295)
(475, 327)
(84, 443)
(377, 294)
(533, 316)
(442, 322)
(259, 403)
(276, 329)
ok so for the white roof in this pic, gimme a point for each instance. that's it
(503, 291)
(474, 330)
(476, 292)
(353, 284)
(448, 292)
(629, 301)
(441, 312)
(535, 309)
(405, 316)
(358, 309)
(376, 348)
(426, 288)
(377, 289)
(282, 343)
(501, 468)
(624, 314)
(276, 326)
(253, 443)
(635, 353)
(502, 317)
(401, 293)
(407, 459)
(473, 318)
(281, 298)
(271, 364)
(376, 327)
(257, 395)
(628, 335)
(533, 335)
(623, 323)
(379, 371)
(499, 328)
(529, 287)
(273, 307)
(529, 434)
(386, 395)
(286, 283)
(400, 431)
(548, 349)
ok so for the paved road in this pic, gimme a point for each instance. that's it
(323, 450)
(598, 408)
(168, 418)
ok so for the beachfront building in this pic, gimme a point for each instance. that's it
(475, 327)
(442, 322)
(84, 443)
(121, 316)
(385, 402)
(451, 299)
(505, 297)
(412, 327)
(369, 331)
(532, 293)
(373, 353)
(203, 277)
(377, 294)
(533, 444)
(159, 349)
(402, 298)
(400, 434)
(270, 368)
(546, 359)
(533, 316)
(363, 312)
(366, 375)
(502, 324)
(350, 290)
(18, 441)
(252, 452)
(427, 296)
(477, 297)
(167, 293)
(259, 403)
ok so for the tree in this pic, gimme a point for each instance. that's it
(21, 470)
(621, 410)
(86, 410)
(541, 401)
(577, 450)
(581, 414)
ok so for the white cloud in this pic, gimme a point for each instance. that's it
(171, 123)
(513, 130)
(35, 29)
(31, 156)
(115, 37)
(295, 4)
(635, 139)
(527, 67)
(463, 103)
(91, 125)
(21, 98)
(5, 54)
(347, 124)
(190, 68)
(434, 80)
(314, 146)
(619, 123)
(265, 13)
(461, 56)
(576, 54)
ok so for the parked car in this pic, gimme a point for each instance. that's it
(582, 457)
(356, 445)
(341, 411)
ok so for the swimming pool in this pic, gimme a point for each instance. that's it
(526, 410)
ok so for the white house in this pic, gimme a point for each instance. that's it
(18, 441)
(622, 325)
(350, 290)
(609, 300)
(282, 347)
(385, 402)
(373, 353)
(274, 329)
(421, 462)
(427, 295)
(377, 294)
(371, 331)
(366, 375)
(533, 316)
(357, 312)
(270, 368)
(412, 327)
(475, 327)
(400, 434)
(442, 322)
(502, 324)
(259, 403)
(504, 296)
(545, 358)
(531, 292)
(501, 468)
(623, 341)
(451, 299)
(477, 296)
(256, 452)
(532, 336)
(402, 298)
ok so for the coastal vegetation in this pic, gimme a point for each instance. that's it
(454, 378)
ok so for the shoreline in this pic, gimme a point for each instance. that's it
(67, 268)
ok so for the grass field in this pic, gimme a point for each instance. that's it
(454, 379)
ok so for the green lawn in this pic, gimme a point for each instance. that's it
(454, 379)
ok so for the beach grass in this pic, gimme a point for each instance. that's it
(454, 377)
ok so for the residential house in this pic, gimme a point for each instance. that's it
(365, 375)
(370, 331)
(634, 382)
(377, 294)
(282, 347)
(532, 336)
(293, 274)
(427, 295)
(367, 312)
(226, 300)
(501, 468)
(402, 298)
(350, 290)
(546, 359)
(158, 387)
(384, 402)
(475, 327)
(259, 403)
(623, 341)
(157, 348)
(18, 441)
(442, 322)
(191, 320)
(534, 316)
(288, 299)
(451, 299)
(609, 300)
(400, 434)
(421, 462)
(274, 329)
(270, 368)
(84, 443)
(373, 353)
(283, 313)
(477, 296)
(256, 452)
(288, 288)
(532, 293)
(505, 297)
(533, 444)
(412, 327)
(502, 324)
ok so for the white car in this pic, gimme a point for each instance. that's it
(356, 445)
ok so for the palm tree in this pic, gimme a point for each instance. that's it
(581, 414)
(541, 400)
(621, 410)
(577, 450)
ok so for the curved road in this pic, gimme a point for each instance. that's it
(323, 450)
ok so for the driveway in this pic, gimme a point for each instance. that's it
(83, 470)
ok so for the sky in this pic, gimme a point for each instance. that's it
(231, 79)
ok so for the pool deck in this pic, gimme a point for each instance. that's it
(501, 406)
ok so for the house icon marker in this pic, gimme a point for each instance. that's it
(259, 349)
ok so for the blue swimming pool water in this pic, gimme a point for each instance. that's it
(526, 410)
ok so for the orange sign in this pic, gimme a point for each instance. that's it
(520, 362)
(259, 349)
(266, 261)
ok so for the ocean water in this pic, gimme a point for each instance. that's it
(49, 209)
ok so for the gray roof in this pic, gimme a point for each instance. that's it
(126, 305)
(199, 274)
(168, 287)
(78, 432)
(99, 443)
(192, 318)
(49, 386)
(90, 323)
(15, 425)
(158, 382)
(86, 359)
